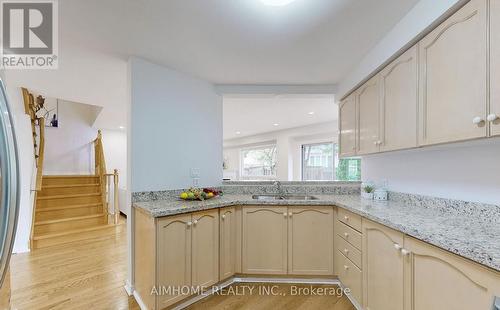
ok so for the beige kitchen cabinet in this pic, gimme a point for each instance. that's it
(368, 101)
(310, 240)
(173, 256)
(348, 127)
(453, 77)
(383, 267)
(227, 243)
(264, 245)
(205, 248)
(494, 111)
(350, 275)
(443, 281)
(399, 103)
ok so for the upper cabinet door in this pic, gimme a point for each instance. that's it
(368, 99)
(205, 248)
(494, 113)
(453, 77)
(347, 128)
(399, 103)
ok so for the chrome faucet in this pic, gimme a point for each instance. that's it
(278, 186)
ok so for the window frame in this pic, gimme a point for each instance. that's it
(302, 160)
(258, 177)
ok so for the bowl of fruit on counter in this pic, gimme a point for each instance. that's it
(200, 194)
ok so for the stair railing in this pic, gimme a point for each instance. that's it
(105, 179)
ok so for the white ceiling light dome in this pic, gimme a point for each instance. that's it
(277, 2)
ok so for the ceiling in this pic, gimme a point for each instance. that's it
(250, 115)
(236, 41)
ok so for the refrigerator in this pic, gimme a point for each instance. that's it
(9, 194)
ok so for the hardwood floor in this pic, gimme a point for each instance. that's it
(287, 297)
(88, 274)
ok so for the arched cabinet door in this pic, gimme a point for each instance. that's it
(264, 240)
(227, 243)
(383, 267)
(205, 248)
(368, 103)
(174, 256)
(443, 281)
(308, 253)
(348, 126)
(453, 77)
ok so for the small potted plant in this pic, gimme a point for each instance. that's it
(367, 192)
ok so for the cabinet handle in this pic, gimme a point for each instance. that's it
(346, 235)
(353, 148)
(290, 214)
(189, 224)
(346, 267)
(492, 117)
(405, 252)
(375, 142)
(477, 120)
(397, 246)
(223, 216)
(195, 222)
(346, 251)
(284, 214)
(346, 217)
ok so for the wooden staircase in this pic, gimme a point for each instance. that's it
(69, 208)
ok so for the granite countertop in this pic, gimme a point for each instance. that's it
(474, 237)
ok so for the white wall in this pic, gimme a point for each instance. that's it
(421, 16)
(176, 125)
(288, 143)
(69, 148)
(467, 171)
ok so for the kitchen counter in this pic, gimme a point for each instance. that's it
(476, 237)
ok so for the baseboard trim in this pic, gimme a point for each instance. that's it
(128, 288)
(242, 279)
(139, 301)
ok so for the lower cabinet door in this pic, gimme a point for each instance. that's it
(174, 258)
(310, 240)
(383, 267)
(264, 246)
(227, 253)
(205, 248)
(443, 281)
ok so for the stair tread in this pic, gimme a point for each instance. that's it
(68, 185)
(44, 209)
(74, 231)
(68, 219)
(69, 176)
(67, 196)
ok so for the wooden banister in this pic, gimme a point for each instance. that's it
(105, 182)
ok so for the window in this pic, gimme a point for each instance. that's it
(317, 162)
(348, 169)
(320, 162)
(259, 162)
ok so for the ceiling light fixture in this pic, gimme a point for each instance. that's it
(277, 2)
(121, 127)
(238, 132)
(311, 113)
(276, 124)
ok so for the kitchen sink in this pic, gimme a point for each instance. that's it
(283, 197)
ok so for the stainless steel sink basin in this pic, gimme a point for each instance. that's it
(283, 197)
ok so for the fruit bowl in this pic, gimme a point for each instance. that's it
(199, 194)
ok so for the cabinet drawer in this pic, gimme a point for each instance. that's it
(350, 235)
(349, 218)
(350, 275)
(349, 251)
